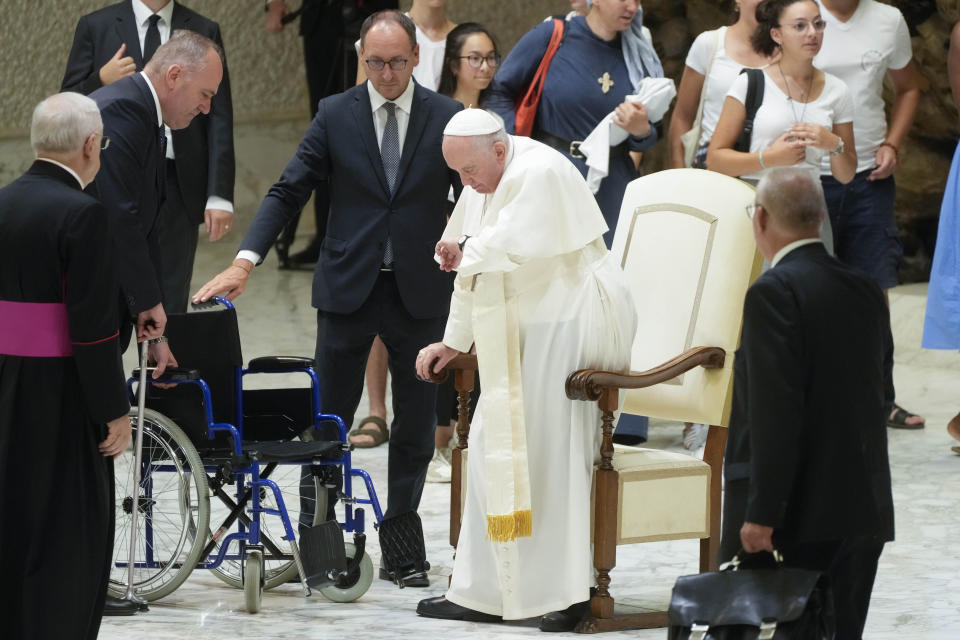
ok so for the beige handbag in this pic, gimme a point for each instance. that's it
(691, 139)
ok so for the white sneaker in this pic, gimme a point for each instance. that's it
(695, 436)
(439, 469)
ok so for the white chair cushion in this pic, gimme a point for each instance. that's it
(662, 495)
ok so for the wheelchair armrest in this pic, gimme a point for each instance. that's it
(174, 373)
(279, 364)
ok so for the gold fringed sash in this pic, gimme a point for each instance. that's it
(497, 334)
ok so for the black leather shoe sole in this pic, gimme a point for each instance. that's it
(119, 607)
(442, 609)
(416, 580)
(565, 620)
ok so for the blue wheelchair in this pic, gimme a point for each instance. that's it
(238, 481)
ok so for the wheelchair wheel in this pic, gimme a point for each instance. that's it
(253, 580)
(353, 585)
(172, 503)
(278, 564)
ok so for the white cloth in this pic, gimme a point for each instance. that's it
(722, 74)
(777, 113)
(859, 52)
(655, 94)
(428, 71)
(540, 235)
(473, 122)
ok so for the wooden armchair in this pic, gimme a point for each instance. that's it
(686, 244)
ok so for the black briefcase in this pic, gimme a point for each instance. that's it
(752, 604)
(403, 553)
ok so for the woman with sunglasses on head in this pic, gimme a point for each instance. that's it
(805, 114)
(713, 63)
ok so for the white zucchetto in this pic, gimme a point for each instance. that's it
(473, 122)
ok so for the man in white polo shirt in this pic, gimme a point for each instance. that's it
(865, 42)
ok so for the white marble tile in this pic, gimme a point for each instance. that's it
(917, 592)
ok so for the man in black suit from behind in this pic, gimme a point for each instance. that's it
(378, 145)
(806, 467)
(116, 42)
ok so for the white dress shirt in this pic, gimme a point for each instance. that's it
(141, 14)
(404, 103)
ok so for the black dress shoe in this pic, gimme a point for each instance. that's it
(418, 579)
(118, 607)
(442, 608)
(567, 619)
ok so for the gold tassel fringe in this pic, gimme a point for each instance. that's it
(518, 524)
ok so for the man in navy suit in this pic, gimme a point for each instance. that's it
(116, 42)
(806, 467)
(378, 145)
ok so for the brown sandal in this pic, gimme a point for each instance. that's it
(379, 432)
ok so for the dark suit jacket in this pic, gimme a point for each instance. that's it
(131, 186)
(341, 146)
(813, 384)
(204, 150)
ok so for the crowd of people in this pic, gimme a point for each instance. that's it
(445, 212)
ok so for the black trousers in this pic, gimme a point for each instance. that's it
(850, 564)
(343, 344)
(177, 237)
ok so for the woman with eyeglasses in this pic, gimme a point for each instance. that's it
(603, 58)
(469, 63)
(805, 114)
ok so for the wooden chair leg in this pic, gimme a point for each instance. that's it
(463, 383)
(713, 455)
(605, 516)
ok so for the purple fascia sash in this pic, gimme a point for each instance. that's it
(34, 330)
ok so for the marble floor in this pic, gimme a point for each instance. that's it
(917, 592)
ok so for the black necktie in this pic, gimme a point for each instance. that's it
(152, 41)
(390, 156)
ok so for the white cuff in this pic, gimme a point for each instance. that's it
(216, 202)
(252, 256)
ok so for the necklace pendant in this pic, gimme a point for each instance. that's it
(605, 82)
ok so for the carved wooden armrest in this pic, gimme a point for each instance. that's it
(461, 362)
(589, 384)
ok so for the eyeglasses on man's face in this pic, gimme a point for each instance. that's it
(752, 209)
(476, 60)
(104, 142)
(377, 65)
(801, 26)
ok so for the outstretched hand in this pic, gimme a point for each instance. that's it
(229, 283)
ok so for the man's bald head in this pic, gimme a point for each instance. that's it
(794, 199)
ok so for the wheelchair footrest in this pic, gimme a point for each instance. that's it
(323, 554)
(279, 451)
(402, 547)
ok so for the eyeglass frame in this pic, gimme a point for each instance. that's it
(819, 25)
(377, 65)
(751, 209)
(479, 65)
(104, 142)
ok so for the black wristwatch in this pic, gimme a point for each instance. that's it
(462, 240)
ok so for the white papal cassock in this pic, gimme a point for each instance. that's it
(536, 265)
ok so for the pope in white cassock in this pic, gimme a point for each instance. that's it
(541, 296)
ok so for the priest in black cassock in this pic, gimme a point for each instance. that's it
(63, 406)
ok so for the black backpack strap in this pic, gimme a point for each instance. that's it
(755, 84)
